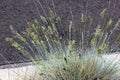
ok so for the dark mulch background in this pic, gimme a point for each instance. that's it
(18, 12)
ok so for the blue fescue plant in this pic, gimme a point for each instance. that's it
(60, 57)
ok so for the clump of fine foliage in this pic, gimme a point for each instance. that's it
(89, 66)
(60, 57)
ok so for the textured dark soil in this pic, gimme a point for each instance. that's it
(18, 12)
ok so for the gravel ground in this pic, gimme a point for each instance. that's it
(18, 12)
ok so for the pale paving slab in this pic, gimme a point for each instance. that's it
(16, 73)
(112, 57)
(21, 72)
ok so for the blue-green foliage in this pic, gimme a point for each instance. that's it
(63, 58)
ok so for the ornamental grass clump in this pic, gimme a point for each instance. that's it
(89, 66)
(59, 57)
